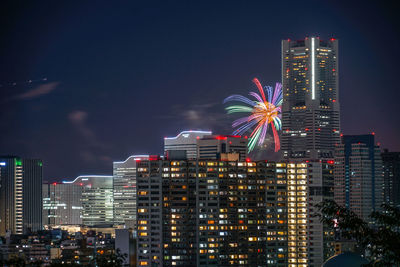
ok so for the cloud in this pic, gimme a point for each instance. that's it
(91, 151)
(78, 119)
(210, 116)
(43, 89)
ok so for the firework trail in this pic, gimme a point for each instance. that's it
(265, 110)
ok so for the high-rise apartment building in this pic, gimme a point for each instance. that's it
(185, 141)
(214, 213)
(20, 195)
(97, 199)
(211, 147)
(124, 183)
(62, 204)
(320, 187)
(310, 110)
(358, 174)
(391, 172)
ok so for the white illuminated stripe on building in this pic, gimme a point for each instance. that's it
(134, 157)
(313, 68)
(85, 176)
(187, 132)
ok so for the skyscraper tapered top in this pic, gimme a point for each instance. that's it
(311, 111)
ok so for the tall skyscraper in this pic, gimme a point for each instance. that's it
(62, 204)
(358, 174)
(20, 195)
(310, 111)
(391, 172)
(124, 176)
(97, 199)
(185, 141)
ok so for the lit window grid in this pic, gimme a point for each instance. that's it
(297, 214)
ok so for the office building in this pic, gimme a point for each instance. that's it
(391, 178)
(62, 204)
(212, 146)
(124, 183)
(358, 175)
(97, 199)
(20, 195)
(310, 110)
(185, 141)
(212, 213)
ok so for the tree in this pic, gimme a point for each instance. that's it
(381, 238)
(111, 260)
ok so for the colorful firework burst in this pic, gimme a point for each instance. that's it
(265, 110)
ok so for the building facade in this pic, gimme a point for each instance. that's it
(62, 204)
(20, 195)
(320, 187)
(124, 183)
(212, 213)
(211, 147)
(310, 110)
(391, 172)
(359, 175)
(185, 141)
(97, 199)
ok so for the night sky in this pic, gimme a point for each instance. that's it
(120, 76)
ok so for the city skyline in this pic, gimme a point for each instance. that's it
(92, 104)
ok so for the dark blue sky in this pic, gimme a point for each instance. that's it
(122, 75)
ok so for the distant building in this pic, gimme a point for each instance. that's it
(358, 174)
(391, 172)
(97, 199)
(185, 141)
(20, 195)
(124, 183)
(211, 147)
(125, 243)
(62, 204)
(310, 110)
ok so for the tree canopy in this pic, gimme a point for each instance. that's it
(379, 238)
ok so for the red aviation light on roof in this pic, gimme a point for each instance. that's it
(54, 183)
(154, 157)
(333, 39)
